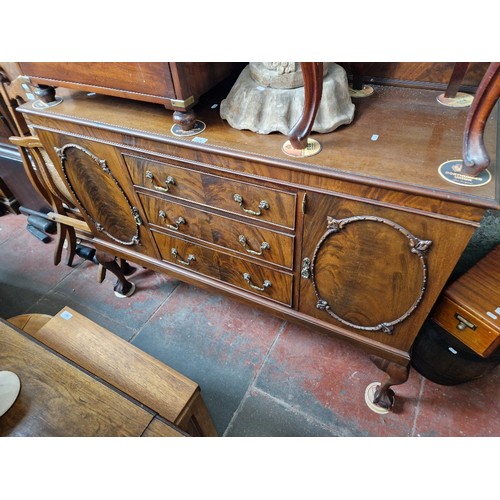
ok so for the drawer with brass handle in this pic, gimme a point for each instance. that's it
(252, 277)
(249, 200)
(466, 326)
(247, 239)
(469, 308)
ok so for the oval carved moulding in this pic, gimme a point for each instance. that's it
(369, 273)
(99, 194)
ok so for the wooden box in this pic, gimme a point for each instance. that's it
(469, 308)
(177, 86)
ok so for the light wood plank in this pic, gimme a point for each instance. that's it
(58, 399)
(119, 363)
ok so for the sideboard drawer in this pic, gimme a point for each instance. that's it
(250, 200)
(467, 326)
(245, 275)
(244, 238)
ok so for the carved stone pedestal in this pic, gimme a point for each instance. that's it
(254, 103)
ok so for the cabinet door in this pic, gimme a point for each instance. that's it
(374, 270)
(95, 175)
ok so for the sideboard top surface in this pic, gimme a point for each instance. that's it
(398, 139)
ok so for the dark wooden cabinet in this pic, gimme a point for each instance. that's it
(178, 86)
(357, 241)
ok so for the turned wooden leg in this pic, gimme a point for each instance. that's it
(396, 374)
(122, 288)
(45, 93)
(357, 76)
(185, 119)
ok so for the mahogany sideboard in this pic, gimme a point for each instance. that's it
(357, 241)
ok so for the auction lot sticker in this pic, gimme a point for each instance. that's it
(452, 172)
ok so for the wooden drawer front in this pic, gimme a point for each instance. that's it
(246, 239)
(252, 201)
(483, 339)
(200, 259)
(141, 79)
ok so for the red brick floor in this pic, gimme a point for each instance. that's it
(259, 375)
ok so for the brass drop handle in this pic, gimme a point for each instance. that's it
(178, 222)
(168, 180)
(464, 323)
(248, 279)
(263, 246)
(263, 205)
(178, 258)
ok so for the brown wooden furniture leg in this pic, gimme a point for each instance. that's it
(357, 76)
(65, 233)
(456, 79)
(451, 97)
(313, 88)
(71, 239)
(397, 374)
(185, 119)
(475, 156)
(45, 93)
(122, 287)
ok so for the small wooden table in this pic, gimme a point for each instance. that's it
(63, 395)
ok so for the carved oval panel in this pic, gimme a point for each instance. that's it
(369, 273)
(99, 194)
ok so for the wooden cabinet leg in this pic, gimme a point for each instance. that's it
(474, 154)
(396, 374)
(185, 119)
(313, 88)
(45, 93)
(122, 288)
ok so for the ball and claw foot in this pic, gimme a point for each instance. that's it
(122, 292)
(123, 288)
(377, 401)
(378, 396)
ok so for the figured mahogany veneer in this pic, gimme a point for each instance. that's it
(360, 239)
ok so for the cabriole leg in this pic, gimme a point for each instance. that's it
(122, 288)
(379, 396)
